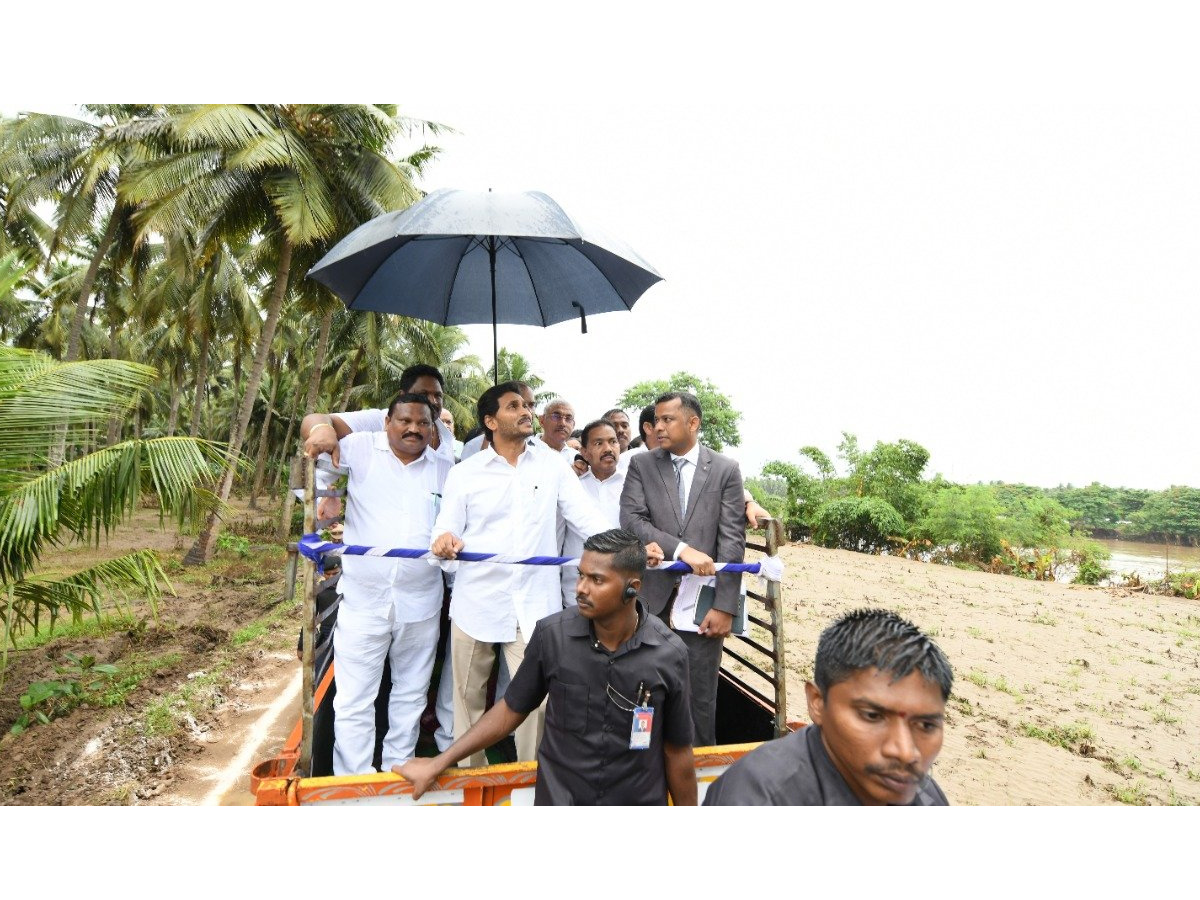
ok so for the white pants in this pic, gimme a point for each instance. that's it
(360, 642)
(444, 736)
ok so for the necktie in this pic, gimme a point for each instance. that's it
(679, 464)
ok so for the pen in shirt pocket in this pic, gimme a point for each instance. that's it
(437, 501)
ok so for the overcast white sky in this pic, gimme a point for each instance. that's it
(977, 231)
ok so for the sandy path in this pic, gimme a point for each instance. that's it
(263, 711)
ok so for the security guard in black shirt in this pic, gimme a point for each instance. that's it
(618, 724)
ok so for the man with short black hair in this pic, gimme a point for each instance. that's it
(620, 422)
(618, 729)
(602, 482)
(505, 500)
(389, 607)
(689, 499)
(877, 703)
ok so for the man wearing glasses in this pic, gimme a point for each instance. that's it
(558, 421)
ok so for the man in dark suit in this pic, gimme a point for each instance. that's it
(690, 500)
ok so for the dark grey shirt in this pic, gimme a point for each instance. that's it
(795, 771)
(584, 758)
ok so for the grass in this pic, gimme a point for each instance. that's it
(169, 713)
(979, 679)
(979, 635)
(130, 676)
(1163, 718)
(1044, 619)
(1134, 795)
(88, 628)
(1174, 799)
(1065, 736)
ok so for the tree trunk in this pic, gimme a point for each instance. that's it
(206, 543)
(285, 513)
(85, 290)
(314, 383)
(173, 415)
(201, 385)
(260, 464)
(58, 445)
(287, 446)
(114, 424)
(358, 355)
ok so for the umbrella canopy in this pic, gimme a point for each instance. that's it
(466, 257)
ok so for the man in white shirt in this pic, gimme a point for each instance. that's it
(504, 500)
(602, 482)
(558, 421)
(389, 607)
(321, 432)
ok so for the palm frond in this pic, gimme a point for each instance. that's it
(90, 495)
(30, 601)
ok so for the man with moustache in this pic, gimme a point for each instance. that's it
(558, 421)
(877, 704)
(389, 607)
(620, 423)
(321, 432)
(504, 499)
(602, 482)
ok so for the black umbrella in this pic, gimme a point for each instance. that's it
(464, 257)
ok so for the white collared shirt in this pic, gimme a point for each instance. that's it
(497, 508)
(605, 494)
(374, 420)
(391, 504)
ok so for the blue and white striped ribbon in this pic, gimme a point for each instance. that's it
(312, 547)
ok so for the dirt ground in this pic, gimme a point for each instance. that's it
(1062, 695)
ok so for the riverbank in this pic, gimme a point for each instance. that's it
(1062, 694)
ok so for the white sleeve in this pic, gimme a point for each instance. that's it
(364, 419)
(576, 506)
(452, 516)
(351, 450)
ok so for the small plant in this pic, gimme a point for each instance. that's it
(46, 700)
(234, 543)
(1065, 736)
(1134, 796)
(977, 678)
(1164, 718)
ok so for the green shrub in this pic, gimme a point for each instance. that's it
(865, 524)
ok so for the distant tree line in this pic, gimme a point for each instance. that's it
(882, 501)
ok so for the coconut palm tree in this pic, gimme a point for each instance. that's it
(297, 177)
(42, 504)
(78, 165)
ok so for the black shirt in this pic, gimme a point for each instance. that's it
(584, 757)
(795, 771)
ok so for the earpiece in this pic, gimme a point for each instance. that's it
(630, 592)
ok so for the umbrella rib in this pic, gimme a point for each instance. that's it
(472, 242)
(521, 257)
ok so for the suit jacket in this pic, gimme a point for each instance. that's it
(714, 523)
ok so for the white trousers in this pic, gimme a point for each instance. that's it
(361, 641)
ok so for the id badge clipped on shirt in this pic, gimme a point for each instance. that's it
(643, 726)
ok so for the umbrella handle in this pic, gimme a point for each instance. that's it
(582, 315)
